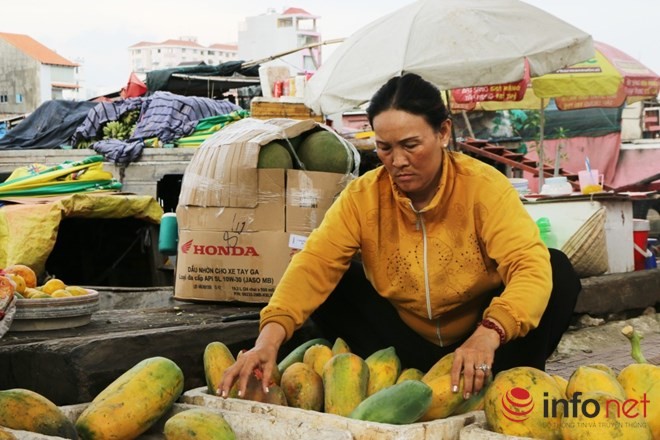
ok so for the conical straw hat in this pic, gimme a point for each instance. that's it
(587, 248)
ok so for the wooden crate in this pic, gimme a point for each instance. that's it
(267, 109)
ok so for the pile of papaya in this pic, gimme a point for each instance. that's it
(325, 377)
(593, 403)
(125, 409)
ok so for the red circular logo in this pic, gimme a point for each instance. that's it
(517, 404)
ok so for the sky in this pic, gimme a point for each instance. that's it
(98, 34)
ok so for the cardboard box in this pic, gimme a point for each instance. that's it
(267, 215)
(308, 196)
(239, 226)
(230, 265)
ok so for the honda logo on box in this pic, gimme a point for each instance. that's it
(214, 249)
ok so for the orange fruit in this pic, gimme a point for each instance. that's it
(28, 274)
(7, 287)
(61, 293)
(18, 280)
(52, 285)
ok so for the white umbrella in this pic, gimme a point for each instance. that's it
(452, 43)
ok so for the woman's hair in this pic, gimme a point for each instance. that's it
(412, 94)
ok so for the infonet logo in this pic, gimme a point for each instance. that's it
(232, 251)
(517, 404)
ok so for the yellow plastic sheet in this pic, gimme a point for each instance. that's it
(28, 231)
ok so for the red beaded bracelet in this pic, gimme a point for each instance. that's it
(491, 325)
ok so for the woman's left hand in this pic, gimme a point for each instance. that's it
(474, 359)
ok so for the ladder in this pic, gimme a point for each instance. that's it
(515, 160)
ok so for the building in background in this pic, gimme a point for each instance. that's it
(31, 73)
(272, 33)
(186, 51)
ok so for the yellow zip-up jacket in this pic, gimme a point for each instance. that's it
(436, 266)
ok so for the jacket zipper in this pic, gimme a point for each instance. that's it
(427, 287)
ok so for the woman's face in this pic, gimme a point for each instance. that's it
(411, 151)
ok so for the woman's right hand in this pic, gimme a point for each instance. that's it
(263, 357)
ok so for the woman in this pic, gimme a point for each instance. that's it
(451, 261)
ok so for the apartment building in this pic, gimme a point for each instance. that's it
(145, 56)
(273, 33)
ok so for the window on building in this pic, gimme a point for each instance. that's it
(308, 62)
(3, 98)
(137, 51)
(158, 50)
(19, 98)
(284, 22)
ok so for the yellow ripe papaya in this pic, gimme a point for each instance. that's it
(440, 368)
(133, 402)
(6, 435)
(196, 424)
(561, 383)
(602, 367)
(340, 346)
(514, 404)
(475, 402)
(384, 369)
(217, 358)
(297, 354)
(316, 356)
(586, 379)
(641, 382)
(601, 419)
(303, 387)
(444, 401)
(410, 374)
(29, 411)
(345, 379)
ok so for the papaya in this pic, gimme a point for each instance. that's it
(324, 151)
(641, 380)
(561, 383)
(444, 401)
(514, 403)
(274, 155)
(384, 369)
(196, 424)
(340, 346)
(133, 402)
(475, 402)
(440, 368)
(303, 387)
(603, 421)
(345, 379)
(29, 411)
(585, 379)
(298, 353)
(602, 367)
(398, 404)
(410, 374)
(217, 358)
(6, 435)
(254, 390)
(316, 356)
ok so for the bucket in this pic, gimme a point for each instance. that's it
(168, 237)
(641, 230)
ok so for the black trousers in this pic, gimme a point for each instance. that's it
(368, 322)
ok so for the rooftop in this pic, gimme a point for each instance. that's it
(36, 50)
